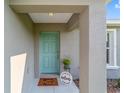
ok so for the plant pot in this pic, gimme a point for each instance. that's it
(66, 66)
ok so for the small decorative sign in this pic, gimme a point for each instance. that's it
(66, 78)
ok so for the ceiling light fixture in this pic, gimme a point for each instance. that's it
(51, 14)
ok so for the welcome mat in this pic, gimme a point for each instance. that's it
(48, 82)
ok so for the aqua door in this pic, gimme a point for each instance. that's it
(49, 52)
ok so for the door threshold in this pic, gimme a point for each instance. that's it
(49, 75)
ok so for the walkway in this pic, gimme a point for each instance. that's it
(72, 88)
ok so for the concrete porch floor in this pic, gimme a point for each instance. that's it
(72, 88)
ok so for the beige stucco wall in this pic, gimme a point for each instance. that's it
(53, 1)
(19, 43)
(47, 2)
(73, 22)
(97, 47)
(92, 49)
(70, 48)
(69, 45)
(84, 51)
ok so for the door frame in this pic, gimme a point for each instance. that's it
(39, 52)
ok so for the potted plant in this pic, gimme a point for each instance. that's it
(66, 63)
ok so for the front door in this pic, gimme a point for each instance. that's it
(49, 52)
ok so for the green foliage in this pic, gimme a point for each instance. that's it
(66, 61)
(118, 83)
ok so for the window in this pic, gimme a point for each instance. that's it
(107, 49)
(111, 48)
(107, 56)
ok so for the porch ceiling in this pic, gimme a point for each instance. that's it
(45, 18)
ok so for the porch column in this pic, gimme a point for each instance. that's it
(92, 48)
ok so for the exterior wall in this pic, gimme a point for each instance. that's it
(114, 73)
(70, 48)
(69, 45)
(47, 2)
(92, 49)
(84, 51)
(73, 23)
(18, 41)
(97, 47)
(55, 2)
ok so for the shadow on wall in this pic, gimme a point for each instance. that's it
(18, 63)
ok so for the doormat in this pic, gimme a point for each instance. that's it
(48, 82)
